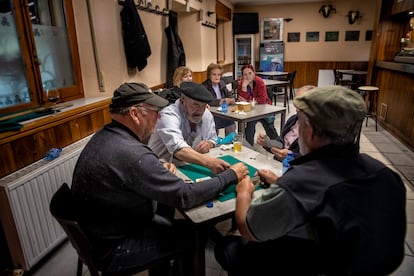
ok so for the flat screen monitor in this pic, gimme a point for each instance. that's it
(246, 23)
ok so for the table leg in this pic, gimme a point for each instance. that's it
(282, 120)
(241, 128)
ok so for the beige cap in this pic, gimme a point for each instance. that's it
(333, 108)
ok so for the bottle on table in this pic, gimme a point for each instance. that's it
(224, 107)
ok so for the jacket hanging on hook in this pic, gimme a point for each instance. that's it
(175, 54)
(137, 47)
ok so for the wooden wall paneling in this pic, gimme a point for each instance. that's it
(44, 141)
(7, 161)
(222, 12)
(24, 151)
(98, 119)
(402, 6)
(199, 77)
(21, 148)
(307, 72)
(63, 135)
(75, 130)
(86, 126)
(397, 92)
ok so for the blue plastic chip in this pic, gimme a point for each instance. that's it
(53, 153)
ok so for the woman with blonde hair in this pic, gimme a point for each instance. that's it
(181, 74)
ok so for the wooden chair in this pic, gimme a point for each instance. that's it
(63, 209)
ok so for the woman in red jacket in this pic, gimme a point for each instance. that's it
(253, 87)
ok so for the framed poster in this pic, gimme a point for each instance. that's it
(351, 35)
(368, 35)
(331, 36)
(294, 37)
(271, 30)
(312, 36)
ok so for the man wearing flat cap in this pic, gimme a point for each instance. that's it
(120, 185)
(334, 212)
(186, 130)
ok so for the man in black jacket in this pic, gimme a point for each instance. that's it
(334, 211)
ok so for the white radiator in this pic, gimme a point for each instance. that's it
(29, 191)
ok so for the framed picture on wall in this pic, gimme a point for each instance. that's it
(368, 35)
(293, 37)
(351, 35)
(331, 36)
(271, 30)
(312, 36)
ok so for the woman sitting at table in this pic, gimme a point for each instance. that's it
(218, 89)
(253, 87)
(181, 74)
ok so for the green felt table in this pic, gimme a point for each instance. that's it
(195, 172)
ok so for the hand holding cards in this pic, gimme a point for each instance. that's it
(270, 143)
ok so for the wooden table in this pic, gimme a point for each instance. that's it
(204, 217)
(259, 111)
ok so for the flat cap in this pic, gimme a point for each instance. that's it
(196, 92)
(333, 108)
(129, 94)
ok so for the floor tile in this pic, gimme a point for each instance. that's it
(406, 268)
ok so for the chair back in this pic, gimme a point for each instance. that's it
(292, 76)
(291, 79)
(234, 85)
(63, 210)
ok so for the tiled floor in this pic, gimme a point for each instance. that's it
(379, 144)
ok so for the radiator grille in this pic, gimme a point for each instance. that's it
(29, 191)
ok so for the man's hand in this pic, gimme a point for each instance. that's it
(217, 165)
(204, 146)
(171, 167)
(245, 186)
(280, 154)
(241, 170)
(261, 140)
(267, 176)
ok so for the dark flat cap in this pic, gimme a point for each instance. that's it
(129, 94)
(333, 108)
(196, 92)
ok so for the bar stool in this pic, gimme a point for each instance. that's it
(370, 95)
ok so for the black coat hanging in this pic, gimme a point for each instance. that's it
(137, 47)
(175, 54)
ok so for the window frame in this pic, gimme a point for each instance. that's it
(31, 62)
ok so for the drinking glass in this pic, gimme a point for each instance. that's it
(53, 97)
(238, 142)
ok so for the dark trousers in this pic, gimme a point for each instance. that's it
(284, 256)
(268, 124)
(155, 243)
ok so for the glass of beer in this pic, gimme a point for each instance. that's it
(237, 142)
